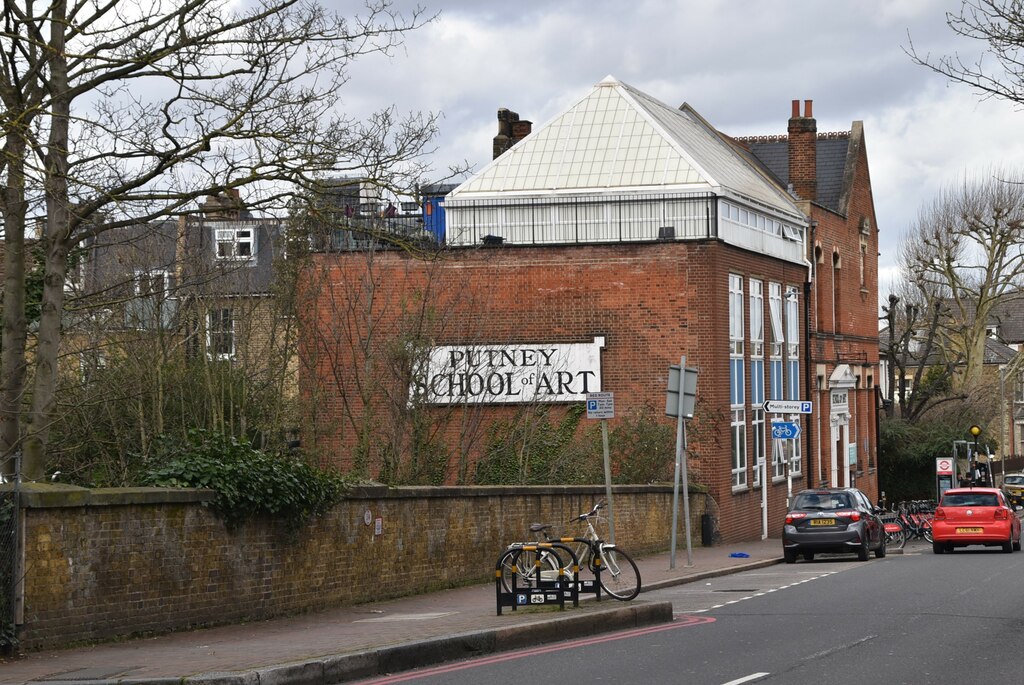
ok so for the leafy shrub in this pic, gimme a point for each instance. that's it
(248, 482)
(531, 450)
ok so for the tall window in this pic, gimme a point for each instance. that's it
(220, 334)
(234, 243)
(735, 315)
(778, 340)
(757, 421)
(793, 342)
(792, 304)
(736, 382)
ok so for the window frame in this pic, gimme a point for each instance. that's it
(224, 236)
(211, 331)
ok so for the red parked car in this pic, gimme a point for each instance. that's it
(975, 516)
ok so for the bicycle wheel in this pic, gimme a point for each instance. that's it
(895, 536)
(523, 563)
(620, 577)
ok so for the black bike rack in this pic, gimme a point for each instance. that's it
(546, 592)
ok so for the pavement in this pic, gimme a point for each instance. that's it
(354, 642)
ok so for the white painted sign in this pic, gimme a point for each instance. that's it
(839, 399)
(509, 374)
(944, 466)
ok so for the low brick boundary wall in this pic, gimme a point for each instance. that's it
(108, 563)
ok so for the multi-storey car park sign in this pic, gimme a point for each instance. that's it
(509, 374)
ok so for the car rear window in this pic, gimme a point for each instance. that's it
(1014, 480)
(824, 501)
(978, 499)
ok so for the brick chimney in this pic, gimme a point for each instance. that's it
(803, 152)
(510, 131)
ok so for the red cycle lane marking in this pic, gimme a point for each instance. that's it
(679, 622)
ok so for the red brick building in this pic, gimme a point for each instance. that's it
(590, 256)
(829, 175)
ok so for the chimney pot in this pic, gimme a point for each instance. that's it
(807, 108)
(796, 108)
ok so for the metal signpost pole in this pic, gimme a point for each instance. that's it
(601, 405)
(680, 400)
(608, 481)
(686, 489)
(675, 480)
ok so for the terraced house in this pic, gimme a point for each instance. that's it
(185, 315)
(592, 253)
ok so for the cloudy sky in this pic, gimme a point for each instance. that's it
(739, 63)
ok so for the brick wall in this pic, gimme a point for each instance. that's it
(651, 302)
(102, 564)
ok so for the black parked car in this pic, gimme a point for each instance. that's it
(832, 520)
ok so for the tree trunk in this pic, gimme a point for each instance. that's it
(14, 324)
(56, 244)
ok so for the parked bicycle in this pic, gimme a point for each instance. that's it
(913, 518)
(619, 575)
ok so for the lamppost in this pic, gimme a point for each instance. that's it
(975, 431)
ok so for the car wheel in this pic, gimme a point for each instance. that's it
(862, 552)
(938, 547)
(1008, 546)
(880, 552)
(789, 555)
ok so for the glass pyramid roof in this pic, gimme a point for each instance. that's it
(617, 138)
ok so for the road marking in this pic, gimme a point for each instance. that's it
(684, 622)
(839, 648)
(760, 593)
(748, 679)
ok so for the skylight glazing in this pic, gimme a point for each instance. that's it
(602, 142)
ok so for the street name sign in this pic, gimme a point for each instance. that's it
(787, 407)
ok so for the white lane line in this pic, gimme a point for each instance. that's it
(839, 648)
(758, 594)
(747, 679)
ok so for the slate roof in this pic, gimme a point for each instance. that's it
(996, 352)
(832, 151)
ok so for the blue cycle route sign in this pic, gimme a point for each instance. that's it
(785, 430)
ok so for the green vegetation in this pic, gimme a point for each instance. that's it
(531, 449)
(249, 483)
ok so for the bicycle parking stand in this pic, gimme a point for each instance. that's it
(595, 558)
(544, 592)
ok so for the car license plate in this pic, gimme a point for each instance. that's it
(823, 522)
(968, 530)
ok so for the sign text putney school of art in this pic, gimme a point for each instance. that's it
(509, 374)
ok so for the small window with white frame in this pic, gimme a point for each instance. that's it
(238, 244)
(220, 333)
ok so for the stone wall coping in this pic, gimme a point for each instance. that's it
(426, 491)
(55, 495)
(51, 495)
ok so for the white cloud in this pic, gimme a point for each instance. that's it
(738, 63)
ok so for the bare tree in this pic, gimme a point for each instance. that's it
(920, 372)
(964, 254)
(999, 72)
(118, 114)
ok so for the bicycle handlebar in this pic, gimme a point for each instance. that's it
(593, 512)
